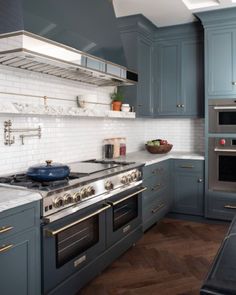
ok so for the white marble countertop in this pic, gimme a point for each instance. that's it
(12, 197)
(149, 159)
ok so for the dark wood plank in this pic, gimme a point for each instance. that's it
(172, 258)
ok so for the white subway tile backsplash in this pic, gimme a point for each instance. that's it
(69, 139)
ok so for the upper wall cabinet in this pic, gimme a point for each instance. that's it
(179, 75)
(137, 37)
(220, 48)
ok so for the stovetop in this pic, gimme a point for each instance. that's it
(78, 171)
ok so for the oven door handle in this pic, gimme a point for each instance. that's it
(225, 150)
(225, 108)
(128, 197)
(52, 233)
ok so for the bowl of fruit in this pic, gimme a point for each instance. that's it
(158, 146)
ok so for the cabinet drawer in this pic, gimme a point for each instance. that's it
(189, 165)
(221, 207)
(154, 185)
(154, 212)
(156, 169)
(151, 197)
(14, 223)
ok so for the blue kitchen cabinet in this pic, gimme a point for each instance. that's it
(188, 177)
(157, 199)
(178, 60)
(137, 34)
(220, 205)
(167, 95)
(220, 47)
(20, 251)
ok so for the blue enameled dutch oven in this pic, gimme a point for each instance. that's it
(48, 172)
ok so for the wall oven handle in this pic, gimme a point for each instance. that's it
(230, 206)
(52, 233)
(225, 150)
(128, 197)
(225, 108)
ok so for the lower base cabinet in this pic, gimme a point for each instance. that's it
(20, 251)
(157, 198)
(172, 186)
(220, 205)
(188, 176)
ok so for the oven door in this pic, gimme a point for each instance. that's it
(222, 168)
(125, 214)
(222, 119)
(71, 242)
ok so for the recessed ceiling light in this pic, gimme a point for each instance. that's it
(197, 4)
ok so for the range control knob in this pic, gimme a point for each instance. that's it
(109, 185)
(76, 197)
(58, 202)
(129, 178)
(90, 191)
(124, 179)
(83, 193)
(134, 175)
(68, 199)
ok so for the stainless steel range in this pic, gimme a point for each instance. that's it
(83, 216)
(89, 182)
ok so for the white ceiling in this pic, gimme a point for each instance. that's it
(163, 12)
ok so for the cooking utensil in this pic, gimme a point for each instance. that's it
(48, 172)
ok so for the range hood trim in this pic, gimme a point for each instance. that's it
(22, 52)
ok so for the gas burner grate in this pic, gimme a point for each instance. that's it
(24, 181)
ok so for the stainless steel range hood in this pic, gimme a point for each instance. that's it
(35, 53)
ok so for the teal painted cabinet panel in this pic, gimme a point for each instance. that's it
(157, 199)
(192, 78)
(17, 265)
(220, 62)
(168, 78)
(179, 72)
(136, 35)
(144, 91)
(188, 187)
(20, 251)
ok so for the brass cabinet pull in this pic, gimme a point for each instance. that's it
(128, 197)
(55, 232)
(5, 248)
(187, 166)
(158, 208)
(156, 187)
(230, 206)
(5, 229)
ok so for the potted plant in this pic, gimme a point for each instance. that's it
(117, 98)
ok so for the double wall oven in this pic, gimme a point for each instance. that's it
(222, 145)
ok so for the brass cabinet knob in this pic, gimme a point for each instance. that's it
(200, 180)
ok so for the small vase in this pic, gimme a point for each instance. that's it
(116, 105)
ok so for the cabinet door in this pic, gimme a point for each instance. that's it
(168, 79)
(144, 103)
(19, 265)
(192, 75)
(220, 63)
(188, 193)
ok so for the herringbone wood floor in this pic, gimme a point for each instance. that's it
(172, 258)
